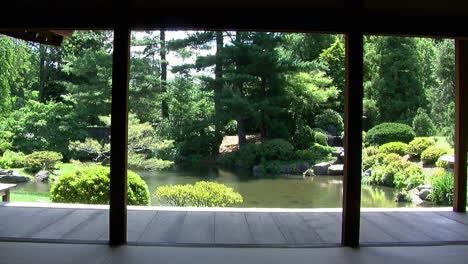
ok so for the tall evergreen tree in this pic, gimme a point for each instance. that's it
(399, 87)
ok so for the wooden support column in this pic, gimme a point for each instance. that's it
(352, 140)
(119, 130)
(461, 126)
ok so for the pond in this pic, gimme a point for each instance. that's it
(273, 191)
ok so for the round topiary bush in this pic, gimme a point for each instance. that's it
(418, 145)
(41, 160)
(443, 164)
(399, 148)
(392, 157)
(202, 194)
(389, 132)
(303, 138)
(330, 121)
(276, 149)
(90, 185)
(321, 138)
(432, 154)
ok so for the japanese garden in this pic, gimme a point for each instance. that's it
(227, 119)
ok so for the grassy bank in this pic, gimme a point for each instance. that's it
(20, 196)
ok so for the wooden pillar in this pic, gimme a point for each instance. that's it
(119, 128)
(461, 111)
(352, 140)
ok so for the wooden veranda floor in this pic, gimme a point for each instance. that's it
(223, 228)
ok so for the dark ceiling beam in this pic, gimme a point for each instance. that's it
(316, 20)
(49, 37)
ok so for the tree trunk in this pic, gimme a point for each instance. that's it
(218, 85)
(162, 53)
(241, 129)
(42, 72)
(263, 121)
(241, 132)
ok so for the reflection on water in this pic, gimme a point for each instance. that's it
(271, 191)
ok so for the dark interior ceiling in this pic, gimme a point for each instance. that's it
(445, 18)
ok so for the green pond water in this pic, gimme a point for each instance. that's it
(274, 191)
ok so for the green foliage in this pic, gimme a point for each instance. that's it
(442, 183)
(145, 149)
(278, 129)
(303, 138)
(334, 59)
(394, 76)
(418, 145)
(442, 95)
(432, 154)
(21, 196)
(372, 161)
(315, 154)
(422, 124)
(88, 65)
(202, 194)
(392, 157)
(371, 114)
(40, 127)
(140, 162)
(331, 121)
(385, 174)
(5, 145)
(42, 160)
(321, 138)
(12, 159)
(442, 164)
(409, 178)
(250, 154)
(399, 148)
(389, 132)
(90, 185)
(247, 156)
(276, 149)
(370, 151)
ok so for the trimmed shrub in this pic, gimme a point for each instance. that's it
(409, 178)
(443, 164)
(392, 157)
(202, 194)
(370, 151)
(330, 120)
(316, 153)
(303, 138)
(321, 138)
(432, 154)
(90, 185)
(276, 149)
(389, 132)
(41, 160)
(385, 175)
(372, 161)
(422, 124)
(418, 145)
(399, 148)
(11, 159)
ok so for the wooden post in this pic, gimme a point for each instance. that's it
(461, 111)
(119, 130)
(352, 140)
